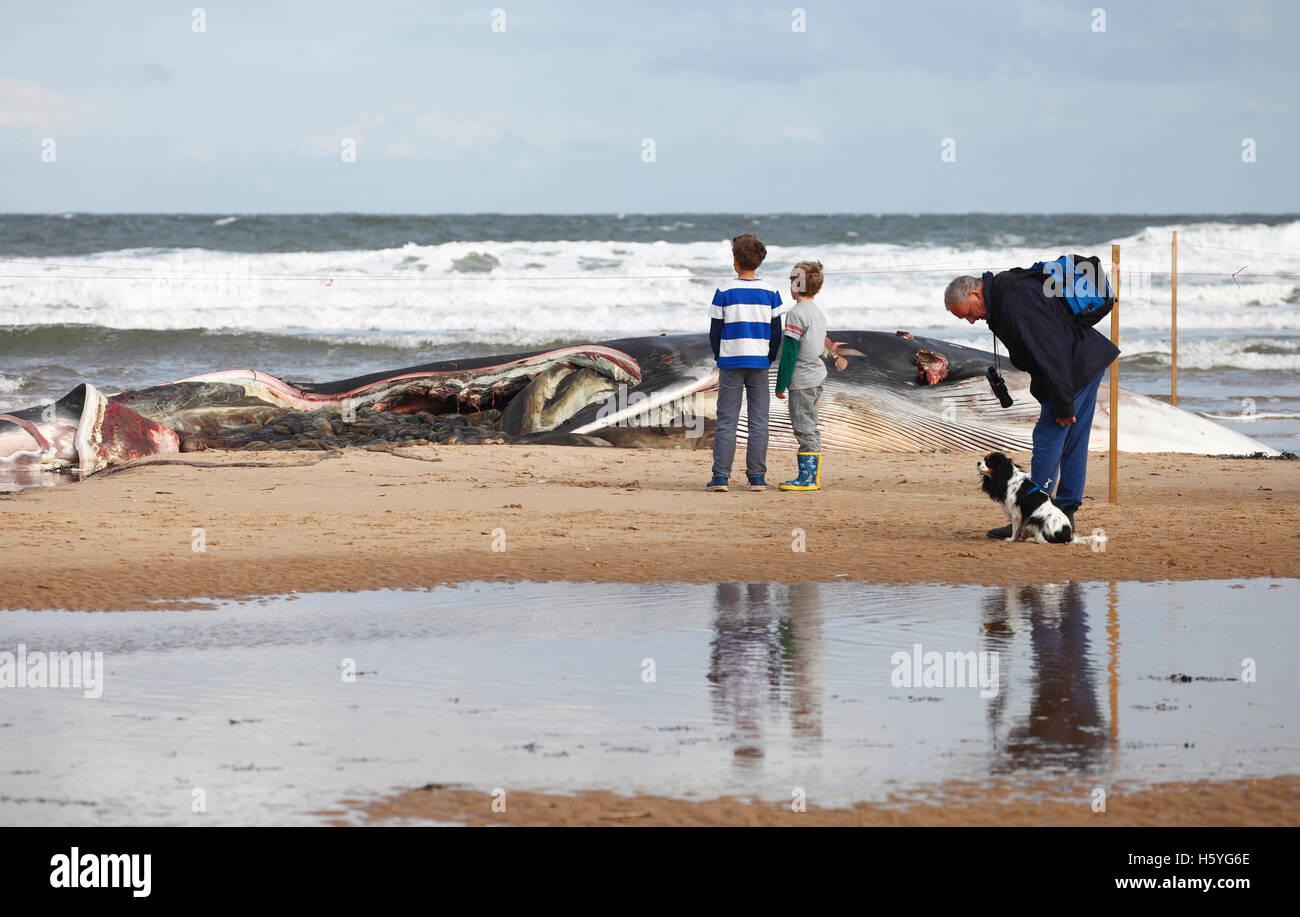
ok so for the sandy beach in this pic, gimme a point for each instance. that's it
(276, 523)
(1202, 803)
(430, 515)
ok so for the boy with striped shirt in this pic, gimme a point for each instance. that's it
(745, 332)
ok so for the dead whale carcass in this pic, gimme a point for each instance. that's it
(884, 392)
(83, 431)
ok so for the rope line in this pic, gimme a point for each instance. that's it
(340, 279)
(918, 267)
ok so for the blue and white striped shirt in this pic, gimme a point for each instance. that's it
(747, 308)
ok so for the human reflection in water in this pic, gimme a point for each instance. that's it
(1063, 724)
(766, 657)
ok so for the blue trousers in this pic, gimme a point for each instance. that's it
(733, 384)
(1061, 453)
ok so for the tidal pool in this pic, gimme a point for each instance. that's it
(266, 711)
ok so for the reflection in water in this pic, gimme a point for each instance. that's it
(766, 654)
(762, 688)
(1063, 723)
(17, 477)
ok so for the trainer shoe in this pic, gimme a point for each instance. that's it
(757, 482)
(718, 482)
(1004, 533)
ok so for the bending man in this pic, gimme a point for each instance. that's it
(1065, 362)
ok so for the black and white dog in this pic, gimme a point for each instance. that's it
(1033, 515)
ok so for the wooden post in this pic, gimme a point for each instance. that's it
(1173, 326)
(1114, 379)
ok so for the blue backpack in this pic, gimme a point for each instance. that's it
(1081, 282)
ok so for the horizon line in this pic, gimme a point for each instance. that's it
(626, 213)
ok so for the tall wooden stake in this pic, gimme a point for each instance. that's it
(1173, 326)
(1114, 380)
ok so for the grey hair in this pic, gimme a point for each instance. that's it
(959, 290)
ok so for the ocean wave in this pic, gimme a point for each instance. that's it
(1248, 418)
(75, 343)
(45, 235)
(558, 288)
(1222, 242)
(475, 263)
(10, 389)
(1265, 354)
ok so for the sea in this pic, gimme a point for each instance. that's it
(128, 300)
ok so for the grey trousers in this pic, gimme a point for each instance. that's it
(732, 384)
(803, 417)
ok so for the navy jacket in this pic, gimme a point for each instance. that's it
(1060, 356)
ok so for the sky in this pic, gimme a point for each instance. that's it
(547, 107)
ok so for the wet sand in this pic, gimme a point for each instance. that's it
(1273, 802)
(429, 515)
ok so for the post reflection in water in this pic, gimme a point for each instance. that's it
(766, 658)
(1057, 719)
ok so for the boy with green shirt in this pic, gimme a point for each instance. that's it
(802, 371)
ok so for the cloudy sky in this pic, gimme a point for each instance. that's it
(746, 114)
